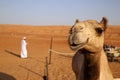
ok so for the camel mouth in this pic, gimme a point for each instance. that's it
(75, 47)
(74, 44)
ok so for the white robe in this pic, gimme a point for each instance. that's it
(23, 49)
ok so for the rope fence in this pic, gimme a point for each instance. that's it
(60, 53)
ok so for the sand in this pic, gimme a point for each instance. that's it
(12, 67)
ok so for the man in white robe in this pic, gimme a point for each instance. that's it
(23, 48)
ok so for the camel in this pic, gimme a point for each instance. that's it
(87, 39)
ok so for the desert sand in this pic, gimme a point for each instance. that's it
(12, 67)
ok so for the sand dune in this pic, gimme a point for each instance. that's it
(39, 38)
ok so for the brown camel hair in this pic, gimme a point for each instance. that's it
(90, 61)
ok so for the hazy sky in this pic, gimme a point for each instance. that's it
(58, 12)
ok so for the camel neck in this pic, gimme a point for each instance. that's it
(92, 61)
(86, 51)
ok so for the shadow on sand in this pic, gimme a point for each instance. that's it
(4, 76)
(12, 53)
(30, 70)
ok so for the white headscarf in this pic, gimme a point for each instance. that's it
(24, 37)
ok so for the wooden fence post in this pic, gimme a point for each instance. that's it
(50, 49)
(45, 77)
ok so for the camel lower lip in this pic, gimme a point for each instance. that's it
(77, 47)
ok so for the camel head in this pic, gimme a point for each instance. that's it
(87, 35)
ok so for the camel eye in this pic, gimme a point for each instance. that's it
(81, 28)
(99, 30)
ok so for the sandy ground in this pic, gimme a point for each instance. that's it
(33, 67)
(12, 67)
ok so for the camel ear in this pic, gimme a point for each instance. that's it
(77, 21)
(104, 23)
